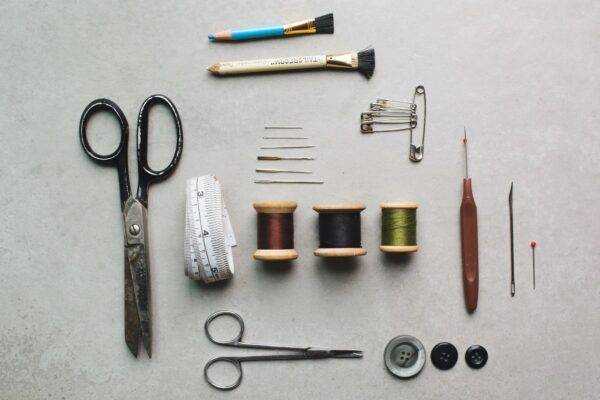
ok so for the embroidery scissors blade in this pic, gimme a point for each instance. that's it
(294, 353)
(134, 207)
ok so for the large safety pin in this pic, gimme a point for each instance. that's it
(416, 152)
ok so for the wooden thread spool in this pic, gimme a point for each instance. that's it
(339, 230)
(275, 230)
(399, 227)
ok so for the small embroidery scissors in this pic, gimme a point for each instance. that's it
(301, 353)
(134, 209)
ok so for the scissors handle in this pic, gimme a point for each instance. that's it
(236, 340)
(117, 158)
(237, 363)
(146, 174)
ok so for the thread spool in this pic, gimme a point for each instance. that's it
(399, 227)
(339, 230)
(275, 230)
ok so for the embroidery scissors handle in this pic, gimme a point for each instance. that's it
(303, 353)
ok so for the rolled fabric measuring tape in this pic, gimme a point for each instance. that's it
(339, 230)
(208, 233)
(399, 227)
(275, 230)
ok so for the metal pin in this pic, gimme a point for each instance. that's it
(276, 158)
(285, 181)
(466, 153)
(308, 146)
(286, 171)
(283, 127)
(285, 137)
(512, 242)
(533, 244)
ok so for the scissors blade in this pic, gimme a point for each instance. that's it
(136, 246)
(346, 353)
(317, 352)
(132, 318)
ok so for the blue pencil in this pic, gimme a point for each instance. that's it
(322, 24)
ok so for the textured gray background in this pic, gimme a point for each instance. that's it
(523, 77)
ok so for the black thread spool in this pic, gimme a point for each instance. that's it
(339, 230)
(275, 230)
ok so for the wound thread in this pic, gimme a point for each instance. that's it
(339, 230)
(275, 230)
(399, 227)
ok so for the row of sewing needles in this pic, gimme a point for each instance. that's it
(284, 158)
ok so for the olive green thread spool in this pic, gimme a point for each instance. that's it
(399, 227)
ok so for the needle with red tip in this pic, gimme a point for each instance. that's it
(533, 244)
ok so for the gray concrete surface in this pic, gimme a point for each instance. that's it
(522, 76)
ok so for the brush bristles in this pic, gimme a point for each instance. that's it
(324, 23)
(366, 62)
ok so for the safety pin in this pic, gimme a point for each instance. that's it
(387, 115)
(367, 126)
(394, 104)
(416, 152)
(391, 114)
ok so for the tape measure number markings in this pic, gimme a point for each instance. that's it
(209, 235)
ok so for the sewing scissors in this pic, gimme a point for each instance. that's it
(134, 208)
(301, 353)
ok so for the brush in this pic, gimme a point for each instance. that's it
(362, 61)
(322, 24)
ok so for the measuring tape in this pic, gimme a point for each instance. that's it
(208, 233)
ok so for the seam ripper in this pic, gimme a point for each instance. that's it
(468, 236)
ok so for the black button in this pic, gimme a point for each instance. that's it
(476, 356)
(444, 355)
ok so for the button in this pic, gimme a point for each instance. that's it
(444, 355)
(476, 356)
(404, 356)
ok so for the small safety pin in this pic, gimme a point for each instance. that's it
(367, 126)
(416, 152)
(385, 104)
(391, 115)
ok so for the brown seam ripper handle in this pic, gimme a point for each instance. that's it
(469, 247)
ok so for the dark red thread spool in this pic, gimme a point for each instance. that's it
(275, 230)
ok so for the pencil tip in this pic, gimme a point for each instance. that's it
(211, 37)
(214, 68)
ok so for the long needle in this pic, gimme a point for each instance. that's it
(285, 137)
(277, 158)
(282, 127)
(512, 242)
(308, 146)
(285, 181)
(533, 244)
(286, 171)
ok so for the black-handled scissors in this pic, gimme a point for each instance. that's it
(134, 208)
(301, 353)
